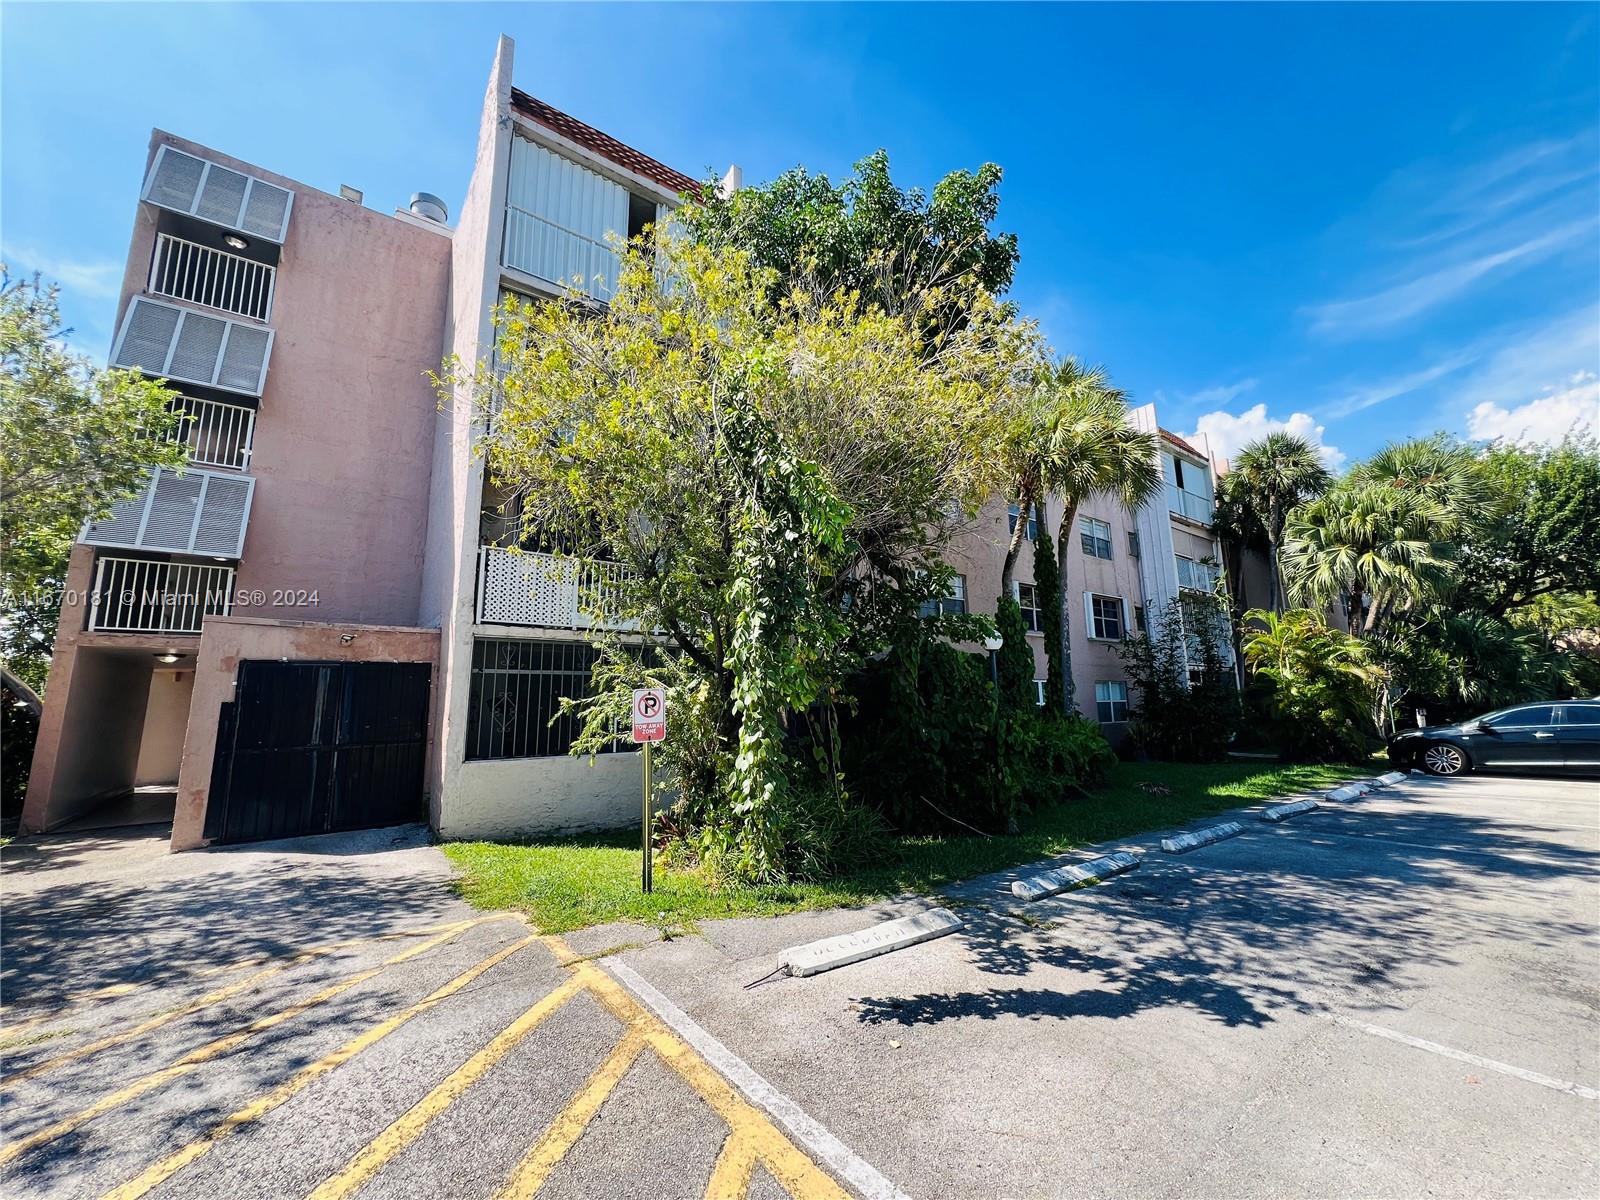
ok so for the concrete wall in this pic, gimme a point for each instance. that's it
(450, 559)
(166, 717)
(509, 798)
(105, 710)
(228, 641)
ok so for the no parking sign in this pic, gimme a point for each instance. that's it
(649, 714)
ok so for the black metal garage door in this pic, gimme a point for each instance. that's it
(307, 747)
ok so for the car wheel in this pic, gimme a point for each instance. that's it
(1443, 759)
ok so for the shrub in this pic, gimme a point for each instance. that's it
(1186, 701)
(1319, 683)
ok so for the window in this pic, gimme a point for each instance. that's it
(1111, 701)
(1028, 601)
(1105, 618)
(517, 686)
(1580, 714)
(955, 602)
(1014, 511)
(1523, 718)
(1038, 692)
(1196, 576)
(1138, 618)
(1096, 538)
(1133, 543)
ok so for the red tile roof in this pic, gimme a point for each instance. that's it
(1183, 445)
(603, 144)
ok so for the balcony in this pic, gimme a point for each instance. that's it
(216, 434)
(544, 591)
(139, 596)
(1189, 504)
(183, 270)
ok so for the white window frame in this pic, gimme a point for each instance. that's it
(1112, 701)
(1094, 533)
(1038, 692)
(1035, 622)
(1014, 512)
(1091, 624)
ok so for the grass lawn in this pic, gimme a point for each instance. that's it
(574, 882)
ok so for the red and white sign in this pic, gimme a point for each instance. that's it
(649, 714)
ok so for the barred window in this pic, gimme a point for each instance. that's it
(517, 687)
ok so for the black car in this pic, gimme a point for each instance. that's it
(1554, 737)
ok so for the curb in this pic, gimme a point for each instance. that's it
(1282, 812)
(815, 957)
(1185, 842)
(1048, 883)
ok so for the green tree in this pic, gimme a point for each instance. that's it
(1185, 697)
(73, 440)
(1271, 477)
(1319, 680)
(926, 258)
(1540, 530)
(1047, 586)
(1086, 449)
(1372, 549)
(777, 482)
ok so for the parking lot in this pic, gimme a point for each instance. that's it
(1392, 996)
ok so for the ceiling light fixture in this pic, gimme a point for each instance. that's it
(237, 242)
(168, 656)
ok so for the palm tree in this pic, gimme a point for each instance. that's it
(1086, 448)
(1437, 472)
(1373, 548)
(1276, 474)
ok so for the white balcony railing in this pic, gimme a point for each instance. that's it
(214, 278)
(1188, 504)
(139, 596)
(547, 592)
(217, 434)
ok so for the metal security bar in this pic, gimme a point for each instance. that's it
(517, 687)
(217, 434)
(189, 271)
(134, 595)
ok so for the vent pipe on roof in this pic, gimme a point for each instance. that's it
(731, 182)
(429, 207)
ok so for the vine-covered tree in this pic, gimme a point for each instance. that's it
(776, 481)
(73, 440)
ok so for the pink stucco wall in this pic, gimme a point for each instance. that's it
(228, 641)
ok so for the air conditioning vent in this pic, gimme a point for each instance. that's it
(190, 347)
(218, 194)
(197, 512)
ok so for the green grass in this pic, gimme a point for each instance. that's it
(571, 883)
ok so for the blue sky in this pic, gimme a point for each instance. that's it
(1363, 221)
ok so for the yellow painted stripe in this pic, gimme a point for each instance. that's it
(409, 1127)
(567, 1128)
(114, 990)
(261, 1106)
(215, 1049)
(730, 1177)
(789, 1166)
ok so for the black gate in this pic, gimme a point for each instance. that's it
(311, 747)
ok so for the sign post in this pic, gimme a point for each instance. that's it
(649, 727)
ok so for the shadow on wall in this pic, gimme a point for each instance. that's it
(1354, 914)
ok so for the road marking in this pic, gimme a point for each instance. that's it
(409, 1127)
(215, 1049)
(695, 1056)
(569, 1126)
(1488, 1064)
(261, 1106)
(735, 1165)
(113, 990)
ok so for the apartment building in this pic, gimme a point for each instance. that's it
(321, 623)
(1123, 569)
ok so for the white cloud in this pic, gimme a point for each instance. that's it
(1544, 419)
(101, 280)
(1369, 394)
(1395, 305)
(1222, 394)
(1226, 433)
